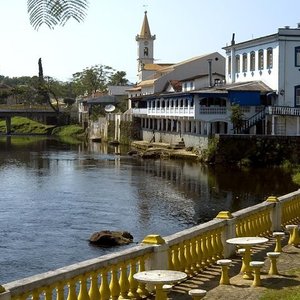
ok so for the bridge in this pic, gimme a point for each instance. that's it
(39, 112)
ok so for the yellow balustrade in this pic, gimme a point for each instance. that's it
(114, 279)
(291, 211)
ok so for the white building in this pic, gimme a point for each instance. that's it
(275, 61)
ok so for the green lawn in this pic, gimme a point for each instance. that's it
(21, 125)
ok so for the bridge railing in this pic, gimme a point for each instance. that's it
(191, 250)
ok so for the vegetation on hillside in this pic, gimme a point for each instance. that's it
(21, 125)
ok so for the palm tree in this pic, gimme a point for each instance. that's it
(55, 12)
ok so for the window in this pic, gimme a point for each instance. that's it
(297, 95)
(237, 64)
(260, 59)
(229, 65)
(245, 62)
(252, 61)
(269, 58)
(297, 56)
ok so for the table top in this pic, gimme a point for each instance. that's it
(247, 240)
(160, 276)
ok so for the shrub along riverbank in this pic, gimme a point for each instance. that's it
(25, 126)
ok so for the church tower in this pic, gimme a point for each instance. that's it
(145, 49)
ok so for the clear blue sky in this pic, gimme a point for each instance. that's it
(183, 29)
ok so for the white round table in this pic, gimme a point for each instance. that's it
(159, 278)
(247, 242)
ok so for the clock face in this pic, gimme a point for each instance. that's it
(146, 43)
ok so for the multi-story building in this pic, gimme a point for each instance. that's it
(274, 60)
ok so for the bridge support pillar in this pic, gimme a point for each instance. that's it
(8, 125)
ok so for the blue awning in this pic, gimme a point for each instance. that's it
(244, 98)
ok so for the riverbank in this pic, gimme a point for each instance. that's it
(25, 126)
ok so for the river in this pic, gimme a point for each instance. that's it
(54, 195)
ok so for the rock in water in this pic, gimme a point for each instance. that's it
(107, 238)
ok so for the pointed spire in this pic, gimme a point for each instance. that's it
(145, 31)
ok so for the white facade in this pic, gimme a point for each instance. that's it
(274, 63)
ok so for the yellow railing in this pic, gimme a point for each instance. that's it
(94, 279)
(202, 248)
(191, 250)
(291, 211)
(255, 224)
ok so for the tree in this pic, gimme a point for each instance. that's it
(55, 12)
(92, 80)
(237, 117)
(118, 78)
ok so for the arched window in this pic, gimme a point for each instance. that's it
(252, 61)
(245, 62)
(261, 59)
(269, 58)
(237, 64)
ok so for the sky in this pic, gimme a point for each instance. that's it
(183, 29)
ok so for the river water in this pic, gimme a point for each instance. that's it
(54, 195)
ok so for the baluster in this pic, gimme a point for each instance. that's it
(124, 282)
(104, 287)
(72, 290)
(209, 248)
(114, 283)
(133, 285)
(220, 243)
(170, 259)
(142, 291)
(188, 256)
(176, 261)
(251, 225)
(60, 291)
(238, 230)
(199, 254)
(83, 291)
(35, 295)
(194, 255)
(48, 293)
(204, 251)
(182, 259)
(94, 289)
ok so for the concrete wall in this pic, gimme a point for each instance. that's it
(190, 140)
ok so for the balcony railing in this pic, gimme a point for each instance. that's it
(213, 110)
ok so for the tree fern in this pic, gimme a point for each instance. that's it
(55, 12)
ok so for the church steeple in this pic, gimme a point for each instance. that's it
(145, 31)
(145, 47)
